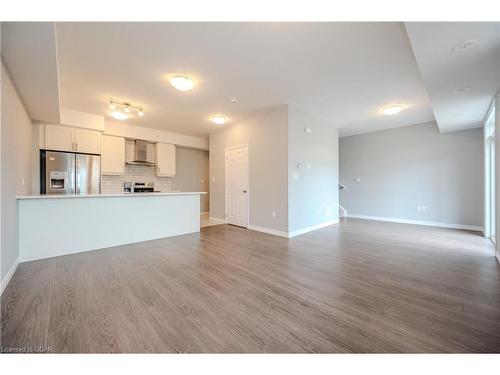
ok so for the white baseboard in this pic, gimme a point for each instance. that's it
(217, 220)
(9, 275)
(311, 228)
(418, 222)
(295, 232)
(268, 231)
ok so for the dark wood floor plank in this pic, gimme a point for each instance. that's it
(359, 286)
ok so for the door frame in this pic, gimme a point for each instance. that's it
(248, 179)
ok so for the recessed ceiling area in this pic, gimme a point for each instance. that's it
(460, 65)
(342, 73)
(29, 50)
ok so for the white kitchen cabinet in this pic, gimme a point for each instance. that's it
(150, 153)
(88, 141)
(68, 138)
(165, 159)
(113, 155)
(59, 138)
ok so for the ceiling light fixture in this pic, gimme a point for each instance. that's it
(124, 110)
(218, 120)
(393, 109)
(464, 45)
(119, 115)
(182, 83)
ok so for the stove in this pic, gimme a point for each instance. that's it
(139, 187)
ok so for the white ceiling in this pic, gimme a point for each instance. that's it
(343, 73)
(30, 53)
(445, 70)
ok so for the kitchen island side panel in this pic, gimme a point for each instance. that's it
(54, 227)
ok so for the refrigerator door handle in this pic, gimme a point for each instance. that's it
(78, 181)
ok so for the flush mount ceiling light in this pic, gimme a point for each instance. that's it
(124, 110)
(182, 83)
(464, 45)
(218, 119)
(392, 109)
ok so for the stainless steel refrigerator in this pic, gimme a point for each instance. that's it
(69, 173)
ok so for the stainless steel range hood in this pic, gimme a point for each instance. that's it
(141, 154)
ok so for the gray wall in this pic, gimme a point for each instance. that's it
(415, 165)
(267, 138)
(312, 193)
(17, 146)
(191, 173)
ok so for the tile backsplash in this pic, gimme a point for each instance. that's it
(137, 173)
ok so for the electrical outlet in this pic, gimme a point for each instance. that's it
(419, 208)
(358, 179)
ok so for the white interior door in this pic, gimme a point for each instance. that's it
(237, 194)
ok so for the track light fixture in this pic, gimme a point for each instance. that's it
(124, 110)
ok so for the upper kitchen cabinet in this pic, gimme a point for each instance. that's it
(165, 159)
(67, 138)
(113, 155)
(59, 137)
(88, 141)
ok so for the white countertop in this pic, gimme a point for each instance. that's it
(71, 196)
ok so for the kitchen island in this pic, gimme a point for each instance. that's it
(54, 225)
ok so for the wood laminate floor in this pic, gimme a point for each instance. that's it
(360, 286)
